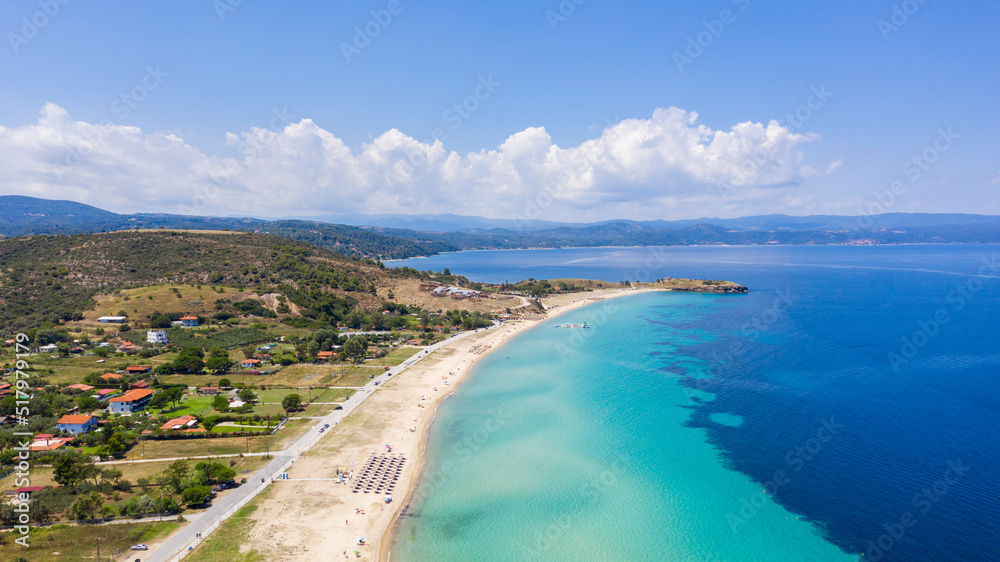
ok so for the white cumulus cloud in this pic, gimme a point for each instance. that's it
(665, 165)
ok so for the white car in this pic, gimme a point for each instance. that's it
(140, 547)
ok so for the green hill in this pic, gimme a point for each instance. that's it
(47, 279)
(22, 216)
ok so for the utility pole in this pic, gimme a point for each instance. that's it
(98, 549)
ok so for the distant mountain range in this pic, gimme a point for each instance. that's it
(463, 223)
(402, 236)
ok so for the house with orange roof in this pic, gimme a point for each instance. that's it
(46, 442)
(80, 386)
(111, 377)
(137, 369)
(125, 346)
(189, 321)
(324, 355)
(132, 401)
(140, 384)
(183, 422)
(249, 363)
(78, 424)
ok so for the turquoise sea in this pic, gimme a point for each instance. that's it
(846, 406)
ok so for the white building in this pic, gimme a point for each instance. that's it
(156, 336)
(131, 401)
(112, 319)
(77, 424)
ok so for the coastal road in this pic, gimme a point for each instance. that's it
(196, 531)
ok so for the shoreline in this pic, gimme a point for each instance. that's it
(387, 538)
(301, 519)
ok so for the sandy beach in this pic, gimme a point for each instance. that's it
(310, 516)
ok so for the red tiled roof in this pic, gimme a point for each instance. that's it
(131, 368)
(109, 376)
(133, 395)
(74, 420)
(183, 420)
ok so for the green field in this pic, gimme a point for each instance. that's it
(397, 356)
(190, 405)
(227, 541)
(236, 429)
(74, 368)
(79, 542)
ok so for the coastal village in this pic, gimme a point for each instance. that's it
(162, 401)
(127, 402)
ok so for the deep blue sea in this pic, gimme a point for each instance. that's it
(848, 405)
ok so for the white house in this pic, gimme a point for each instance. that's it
(48, 348)
(131, 401)
(112, 319)
(77, 424)
(156, 336)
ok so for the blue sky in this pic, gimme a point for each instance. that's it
(572, 121)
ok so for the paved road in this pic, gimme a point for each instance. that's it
(179, 544)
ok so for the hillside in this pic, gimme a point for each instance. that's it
(22, 216)
(52, 278)
(26, 214)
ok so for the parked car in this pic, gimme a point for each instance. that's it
(140, 547)
(326, 425)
